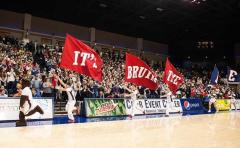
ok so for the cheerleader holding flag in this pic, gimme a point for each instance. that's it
(173, 79)
(80, 58)
(140, 74)
(71, 103)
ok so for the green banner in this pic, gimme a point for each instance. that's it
(105, 107)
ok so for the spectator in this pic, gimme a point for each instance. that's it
(10, 80)
(3, 93)
(47, 88)
(23, 60)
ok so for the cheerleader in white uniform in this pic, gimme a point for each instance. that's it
(70, 106)
(213, 101)
(134, 92)
(233, 100)
(168, 95)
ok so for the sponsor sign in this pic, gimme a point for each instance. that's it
(9, 109)
(105, 107)
(152, 106)
(175, 106)
(223, 104)
(138, 109)
(155, 106)
(192, 106)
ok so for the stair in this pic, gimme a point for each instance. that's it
(59, 108)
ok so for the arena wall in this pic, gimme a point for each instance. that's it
(154, 47)
(11, 19)
(57, 28)
(116, 39)
(28, 26)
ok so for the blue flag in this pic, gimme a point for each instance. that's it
(214, 76)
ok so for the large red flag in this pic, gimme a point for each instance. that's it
(79, 57)
(139, 73)
(172, 77)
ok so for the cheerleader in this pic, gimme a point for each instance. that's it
(71, 93)
(133, 94)
(213, 101)
(233, 100)
(168, 95)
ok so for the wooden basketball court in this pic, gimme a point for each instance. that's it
(220, 130)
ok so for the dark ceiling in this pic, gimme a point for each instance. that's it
(158, 20)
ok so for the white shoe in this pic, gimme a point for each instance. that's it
(209, 111)
(71, 121)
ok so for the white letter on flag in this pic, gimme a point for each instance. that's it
(129, 72)
(84, 56)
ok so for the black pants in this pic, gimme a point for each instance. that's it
(47, 95)
(10, 87)
(22, 120)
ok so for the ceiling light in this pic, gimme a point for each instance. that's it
(159, 9)
(103, 5)
(142, 17)
(197, 2)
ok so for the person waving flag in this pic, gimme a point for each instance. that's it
(214, 76)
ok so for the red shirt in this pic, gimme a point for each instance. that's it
(54, 82)
(193, 92)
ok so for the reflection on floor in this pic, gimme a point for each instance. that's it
(78, 119)
(221, 130)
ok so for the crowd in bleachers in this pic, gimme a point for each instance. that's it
(39, 63)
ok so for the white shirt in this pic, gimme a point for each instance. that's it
(27, 92)
(233, 96)
(169, 98)
(134, 94)
(26, 108)
(11, 77)
(72, 96)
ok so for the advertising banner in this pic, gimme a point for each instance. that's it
(175, 106)
(138, 109)
(223, 104)
(105, 107)
(192, 106)
(9, 109)
(152, 106)
(155, 106)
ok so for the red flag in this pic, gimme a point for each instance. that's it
(139, 73)
(172, 77)
(79, 57)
